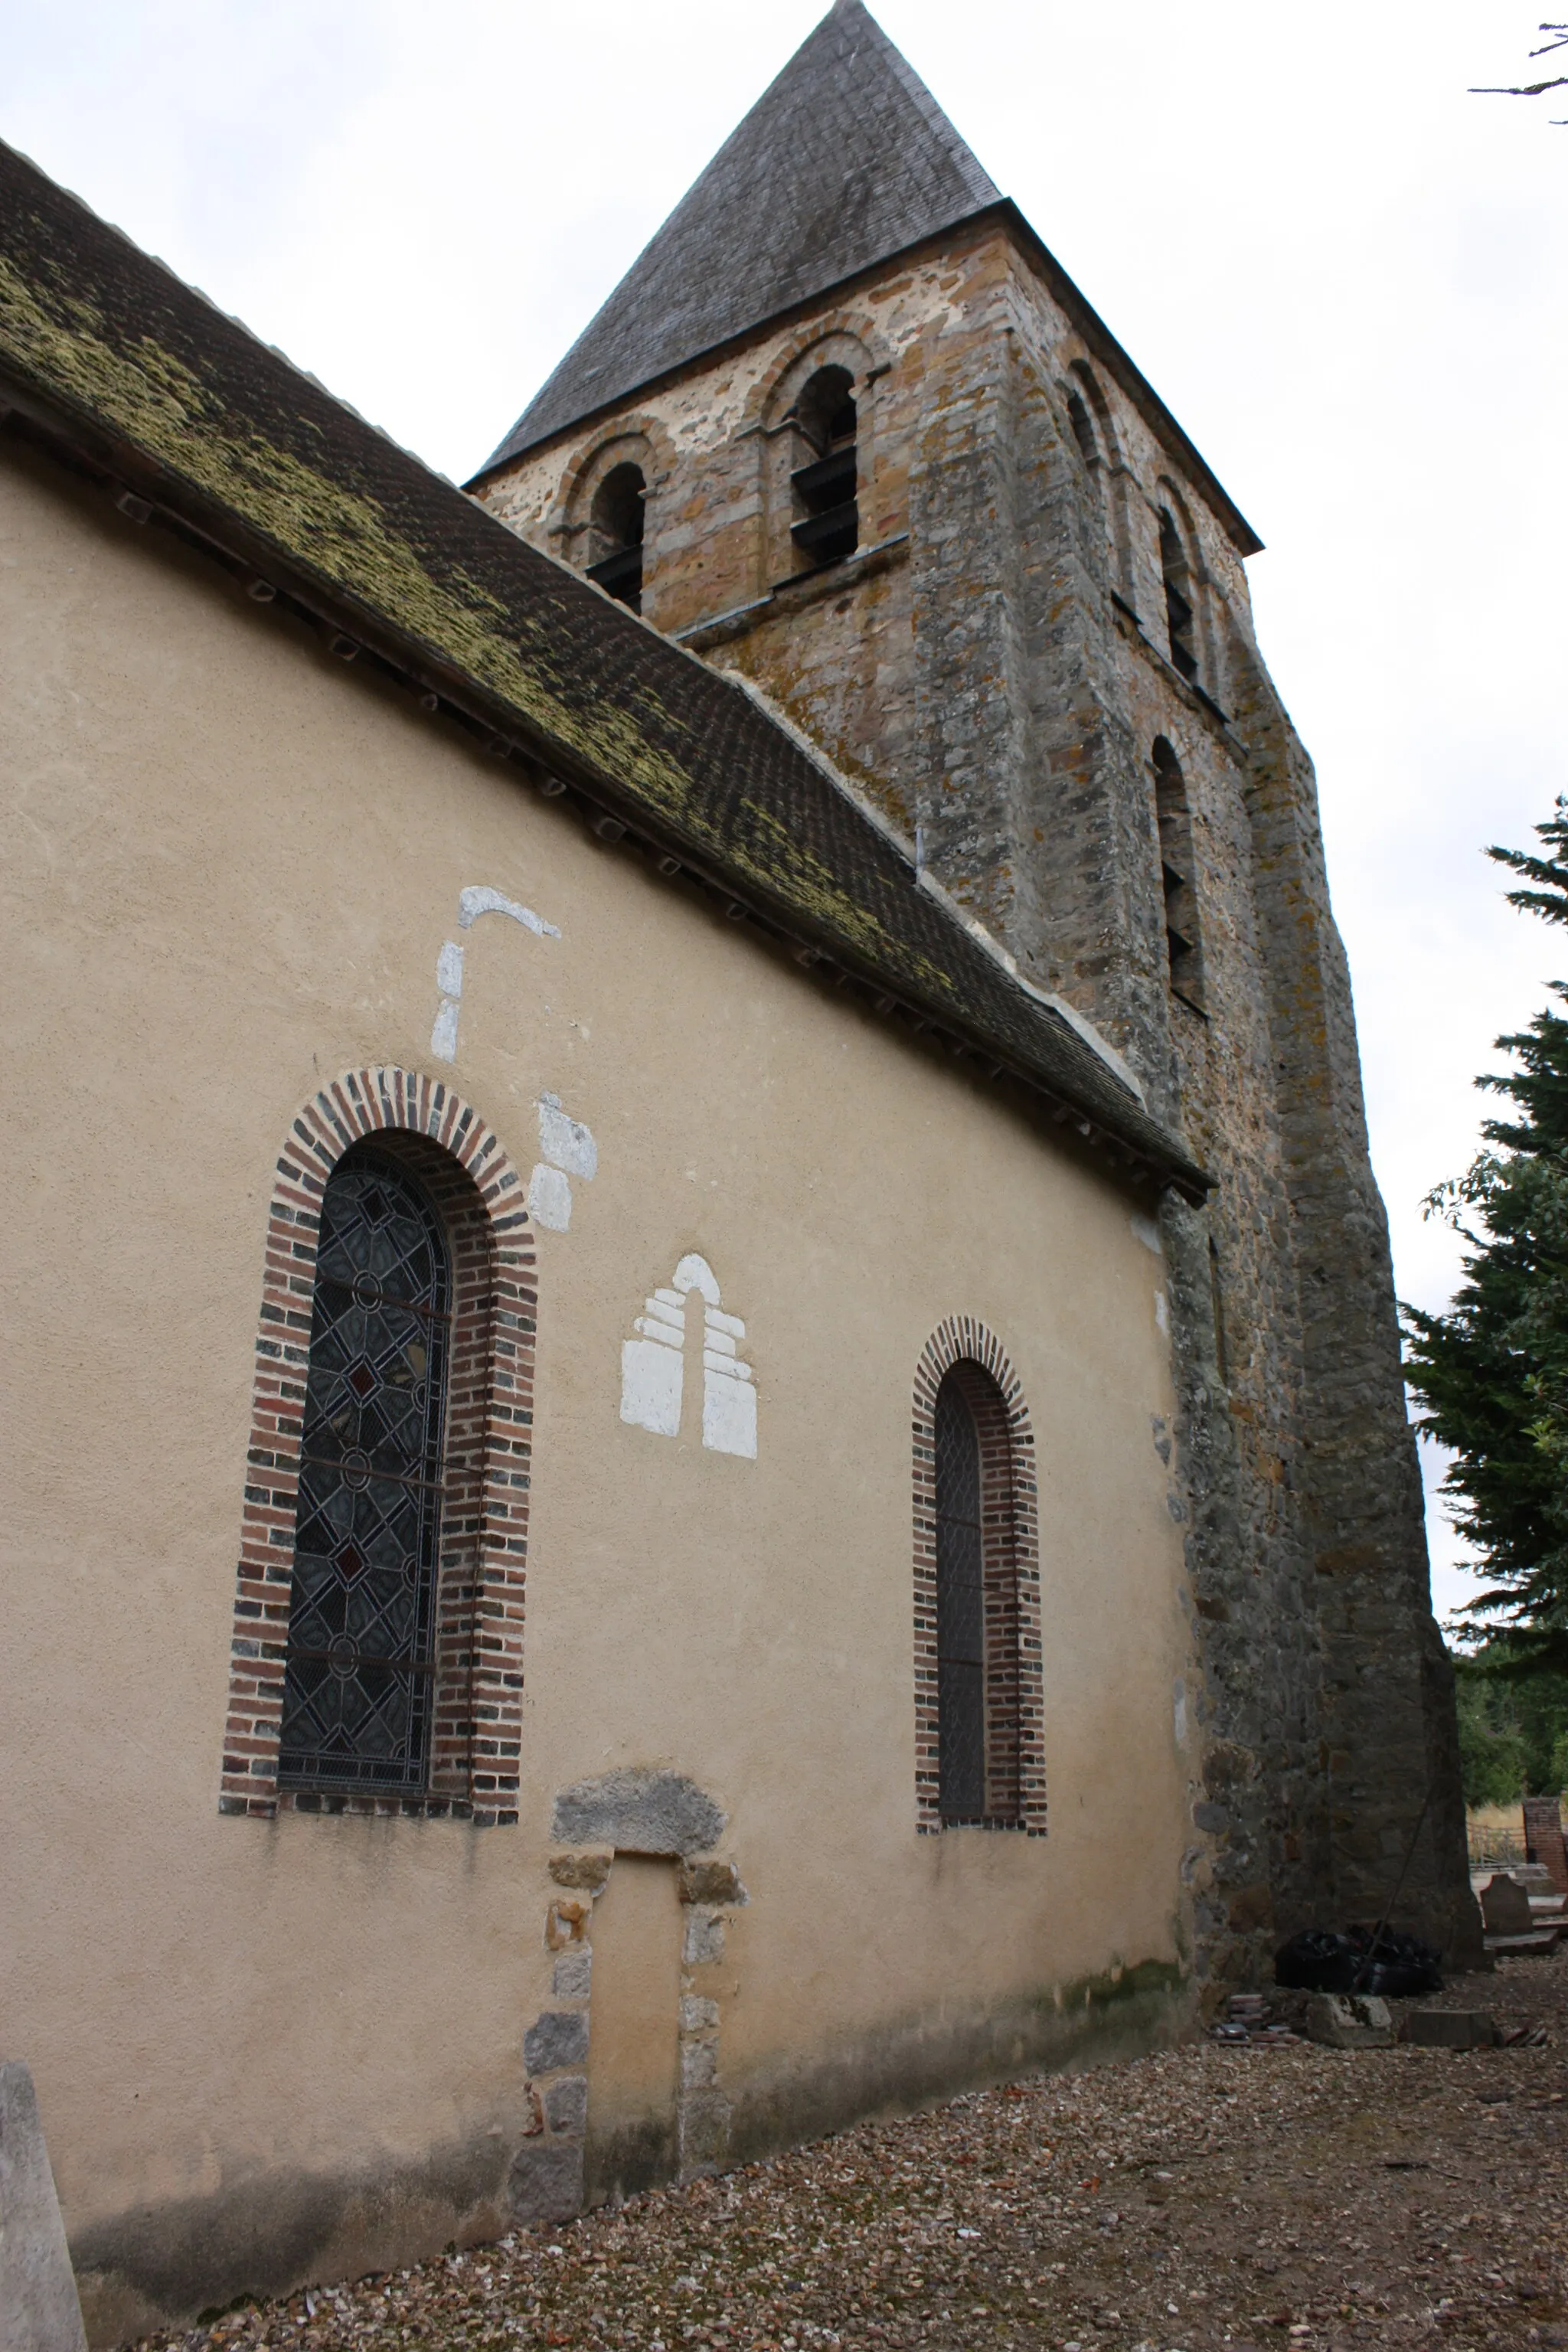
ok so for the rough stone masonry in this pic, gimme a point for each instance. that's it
(1039, 662)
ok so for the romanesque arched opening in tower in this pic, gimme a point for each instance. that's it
(616, 540)
(1084, 435)
(827, 525)
(1094, 431)
(1183, 939)
(1180, 617)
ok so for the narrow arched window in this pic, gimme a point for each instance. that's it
(979, 1693)
(617, 521)
(960, 1607)
(1180, 618)
(1184, 940)
(358, 1687)
(977, 1603)
(827, 527)
(1083, 433)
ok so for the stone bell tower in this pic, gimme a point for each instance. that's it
(848, 428)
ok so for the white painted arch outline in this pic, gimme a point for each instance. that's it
(479, 898)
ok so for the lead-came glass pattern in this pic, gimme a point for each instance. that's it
(358, 1685)
(960, 1608)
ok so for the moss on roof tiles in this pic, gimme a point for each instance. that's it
(351, 540)
(308, 511)
(146, 368)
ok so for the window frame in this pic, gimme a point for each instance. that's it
(475, 1716)
(337, 1480)
(1014, 1695)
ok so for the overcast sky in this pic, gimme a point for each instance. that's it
(1345, 276)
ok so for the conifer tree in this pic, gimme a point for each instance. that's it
(1492, 1373)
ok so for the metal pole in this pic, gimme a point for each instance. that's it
(1398, 1885)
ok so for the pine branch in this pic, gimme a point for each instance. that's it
(1531, 88)
(1516, 90)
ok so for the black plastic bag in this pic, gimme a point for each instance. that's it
(1393, 1964)
(1363, 1960)
(1317, 1960)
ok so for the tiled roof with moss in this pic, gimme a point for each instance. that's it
(137, 380)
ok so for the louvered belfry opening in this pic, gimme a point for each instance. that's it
(1179, 616)
(358, 1694)
(1083, 433)
(1183, 941)
(827, 527)
(618, 511)
(976, 1603)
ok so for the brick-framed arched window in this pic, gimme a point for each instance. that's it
(359, 1674)
(978, 1703)
(445, 1670)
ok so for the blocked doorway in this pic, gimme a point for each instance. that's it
(634, 2051)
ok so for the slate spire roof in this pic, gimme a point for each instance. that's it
(844, 161)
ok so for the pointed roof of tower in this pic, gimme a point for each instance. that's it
(844, 161)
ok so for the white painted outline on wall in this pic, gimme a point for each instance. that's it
(479, 898)
(653, 1366)
(565, 1148)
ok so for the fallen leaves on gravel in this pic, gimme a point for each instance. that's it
(1208, 2197)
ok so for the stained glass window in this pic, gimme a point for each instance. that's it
(357, 1694)
(960, 1609)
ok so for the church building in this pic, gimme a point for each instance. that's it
(693, 1119)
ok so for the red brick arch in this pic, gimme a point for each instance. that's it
(1014, 1707)
(482, 1584)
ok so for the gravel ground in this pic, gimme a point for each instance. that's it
(1249, 2198)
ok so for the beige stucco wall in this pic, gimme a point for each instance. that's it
(231, 865)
